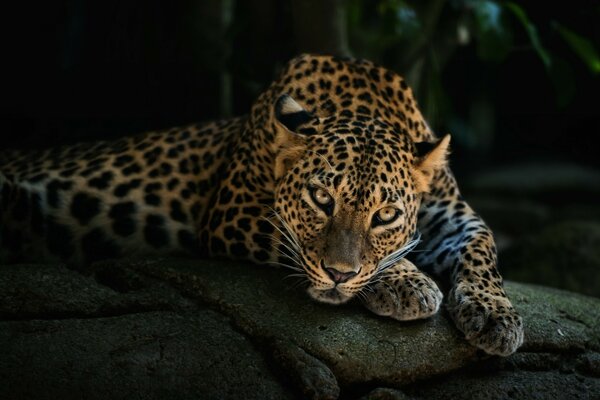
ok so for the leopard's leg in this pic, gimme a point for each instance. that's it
(404, 293)
(457, 242)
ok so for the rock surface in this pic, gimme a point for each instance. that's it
(564, 255)
(218, 329)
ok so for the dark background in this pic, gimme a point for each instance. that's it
(79, 70)
(502, 77)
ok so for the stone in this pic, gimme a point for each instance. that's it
(564, 255)
(358, 346)
(153, 355)
(180, 328)
(54, 291)
(67, 345)
(501, 385)
(313, 379)
(385, 394)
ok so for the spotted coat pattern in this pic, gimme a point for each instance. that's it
(334, 174)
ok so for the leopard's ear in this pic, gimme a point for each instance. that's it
(291, 115)
(292, 124)
(430, 157)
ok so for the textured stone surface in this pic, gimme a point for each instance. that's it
(307, 373)
(51, 291)
(357, 345)
(385, 394)
(216, 329)
(500, 385)
(153, 355)
(564, 255)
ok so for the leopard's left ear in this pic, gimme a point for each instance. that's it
(292, 125)
(290, 115)
(430, 157)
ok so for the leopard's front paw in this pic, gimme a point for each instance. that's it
(489, 322)
(404, 296)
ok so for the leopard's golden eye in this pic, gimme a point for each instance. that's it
(322, 199)
(385, 216)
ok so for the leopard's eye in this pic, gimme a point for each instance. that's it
(322, 199)
(385, 216)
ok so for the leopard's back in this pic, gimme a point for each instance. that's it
(138, 195)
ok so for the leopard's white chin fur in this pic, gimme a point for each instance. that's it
(329, 296)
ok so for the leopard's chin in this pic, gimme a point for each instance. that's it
(329, 296)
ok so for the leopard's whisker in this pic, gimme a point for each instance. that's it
(288, 234)
(294, 276)
(394, 257)
(279, 242)
(284, 234)
(285, 266)
(285, 256)
(300, 283)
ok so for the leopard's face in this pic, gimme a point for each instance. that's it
(348, 205)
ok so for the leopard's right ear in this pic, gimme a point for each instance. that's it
(430, 158)
(292, 125)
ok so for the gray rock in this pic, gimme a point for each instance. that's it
(78, 338)
(220, 329)
(502, 385)
(313, 379)
(385, 394)
(153, 355)
(564, 255)
(51, 291)
(556, 320)
(358, 346)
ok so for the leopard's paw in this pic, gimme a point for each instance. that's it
(489, 322)
(404, 297)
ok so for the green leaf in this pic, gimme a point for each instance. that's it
(488, 15)
(494, 41)
(399, 18)
(531, 30)
(582, 46)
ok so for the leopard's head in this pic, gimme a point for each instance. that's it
(347, 195)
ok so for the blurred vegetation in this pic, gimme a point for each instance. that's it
(488, 71)
(420, 38)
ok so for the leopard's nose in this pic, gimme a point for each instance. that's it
(338, 276)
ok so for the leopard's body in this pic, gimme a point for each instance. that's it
(334, 173)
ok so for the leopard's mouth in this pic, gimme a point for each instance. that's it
(329, 296)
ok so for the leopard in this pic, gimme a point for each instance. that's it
(334, 173)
